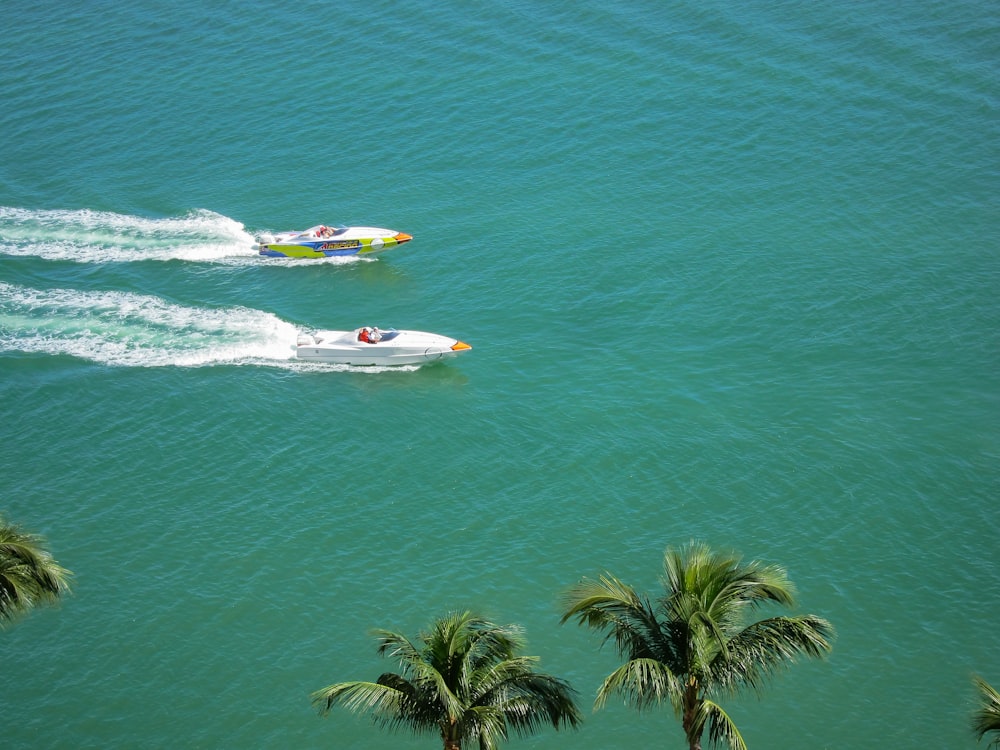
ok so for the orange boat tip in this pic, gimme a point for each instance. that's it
(459, 346)
(402, 237)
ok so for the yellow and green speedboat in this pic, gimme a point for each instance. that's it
(322, 241)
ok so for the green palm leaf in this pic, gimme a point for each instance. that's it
(629, 619)
(763, 648)
(986, 719)
(362, 696)
(694, 642)
(29, 576)
(463, 679)
(721, 728)
(642, 683)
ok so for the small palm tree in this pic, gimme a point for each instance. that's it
(28, 574)
(986, 719)
(464, 680)
(692, 644)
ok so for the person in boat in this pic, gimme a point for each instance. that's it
(369, 335)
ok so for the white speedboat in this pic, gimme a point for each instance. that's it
(322, 241)
(371, 346)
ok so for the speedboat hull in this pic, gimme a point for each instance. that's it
(394, 347)
(326, 242)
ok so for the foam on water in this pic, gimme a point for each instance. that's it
(89, 236)
(125, 329)
(128, 329)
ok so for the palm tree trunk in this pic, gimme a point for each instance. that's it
(451, 742)
(690, 711)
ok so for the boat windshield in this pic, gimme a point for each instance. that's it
(323, 231)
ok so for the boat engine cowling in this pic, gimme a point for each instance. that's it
(305, 340)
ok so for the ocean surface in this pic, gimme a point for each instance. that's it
(730, 271)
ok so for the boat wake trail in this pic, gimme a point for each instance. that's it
(88, 236)
(127, 329)
(124, 329)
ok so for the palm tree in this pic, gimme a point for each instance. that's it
(463, 680)
(987, 717)
(28, 574)
(692, 644)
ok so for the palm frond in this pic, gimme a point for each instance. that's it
(465, 680)
(642, 683)
(768, 583)
(695, 642)
(523, 704)
(720, 583)
(29, 575)
(489, 678)
(489, 643)
(721, 728)
(359, 697)
(986, 719)
(529, 700)
(487, 724)
(628, 618)
(397, 646)
(595, 603)
(764, 647)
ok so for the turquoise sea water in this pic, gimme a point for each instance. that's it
(730, 272)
